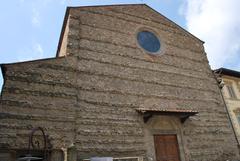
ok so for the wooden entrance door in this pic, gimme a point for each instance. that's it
(166, 148)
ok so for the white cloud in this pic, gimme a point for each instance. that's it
(62, 2)
(34, 52)
(217, 22)
(35, 17)
(37, 48)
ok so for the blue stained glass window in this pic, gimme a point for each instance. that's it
(148, 41)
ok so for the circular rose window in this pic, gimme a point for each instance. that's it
(148, 41)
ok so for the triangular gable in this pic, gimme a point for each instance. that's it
(130, 9)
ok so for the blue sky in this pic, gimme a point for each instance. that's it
(30, 29)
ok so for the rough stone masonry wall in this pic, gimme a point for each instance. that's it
(89, 97)
(36, 94)
(117, 74)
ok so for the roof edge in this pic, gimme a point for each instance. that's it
(109, 5)
(180, 27)
(229, 72)
(31, 61)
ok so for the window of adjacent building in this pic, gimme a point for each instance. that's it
(231, 91)
(238, 118)
(149, 41)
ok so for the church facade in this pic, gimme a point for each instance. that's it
(126, 83)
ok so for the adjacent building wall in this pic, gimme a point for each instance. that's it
(233, 103)
(38, 93)
(90, 97)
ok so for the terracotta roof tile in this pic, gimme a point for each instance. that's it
(143, 110)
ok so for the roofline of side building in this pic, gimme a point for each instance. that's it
(3, 66)
(228, 72)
